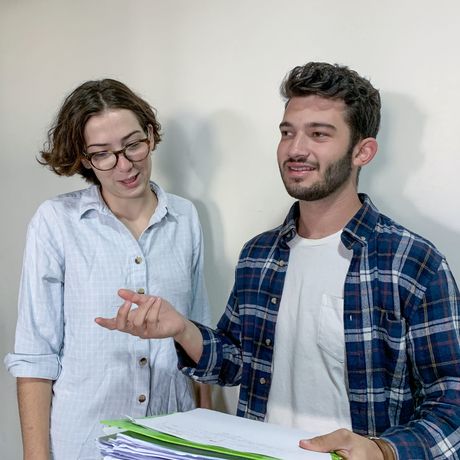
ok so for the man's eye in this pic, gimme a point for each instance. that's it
(319, 134)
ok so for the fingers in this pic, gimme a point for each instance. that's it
(140, 321)
(121, 320)
(143, 311)
(131, 296)
(146, 320)
(153, 315)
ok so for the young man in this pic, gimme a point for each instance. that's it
(340, 320)
(124, 229)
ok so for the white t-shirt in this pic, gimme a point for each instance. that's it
(309, 382)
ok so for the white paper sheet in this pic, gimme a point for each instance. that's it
(217, 429)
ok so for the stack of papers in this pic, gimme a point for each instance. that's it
(204, 434)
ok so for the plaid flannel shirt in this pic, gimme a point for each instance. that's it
(402, 336)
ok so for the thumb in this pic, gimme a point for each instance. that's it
(108, 323)
(339, 442)
(324, 443)
(317, 444)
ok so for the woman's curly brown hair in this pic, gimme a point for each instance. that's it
(62, 152)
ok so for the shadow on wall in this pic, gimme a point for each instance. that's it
(399, 158)
(188, 160)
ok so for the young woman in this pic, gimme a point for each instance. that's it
(122, 231)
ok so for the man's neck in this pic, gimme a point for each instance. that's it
(327, 216)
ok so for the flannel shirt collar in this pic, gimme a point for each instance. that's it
(356, 232)
(362, 225)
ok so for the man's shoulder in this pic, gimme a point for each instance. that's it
(388, 227)
(263, 242)
(393, 237)
(386, 237)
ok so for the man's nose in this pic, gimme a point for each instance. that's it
(300, 145)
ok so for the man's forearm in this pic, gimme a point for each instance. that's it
(34, 402)
(191, 341)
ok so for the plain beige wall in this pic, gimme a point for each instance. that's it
(212, 68)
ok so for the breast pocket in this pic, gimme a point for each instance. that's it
(392, 333)
(330, 336)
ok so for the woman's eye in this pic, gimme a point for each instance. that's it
(133, 146)
(100, 155)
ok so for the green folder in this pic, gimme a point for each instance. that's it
(157, 437)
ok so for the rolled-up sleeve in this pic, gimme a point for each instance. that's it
(39, 330)
(221, 361)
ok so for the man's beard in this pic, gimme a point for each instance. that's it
(335, 175)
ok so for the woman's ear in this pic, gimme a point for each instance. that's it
(151, 136)
(86, 163)
(365, 151)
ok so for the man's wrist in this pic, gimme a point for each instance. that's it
(184, 335)
(385, 447)
(190, 340)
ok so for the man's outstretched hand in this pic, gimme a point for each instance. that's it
(154, 317)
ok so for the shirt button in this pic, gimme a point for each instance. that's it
(268, 342)
(143, 361)
(262, 381)
(138, 260)
(142, 398)
(282, 263)
(141, 291)
(274, 300)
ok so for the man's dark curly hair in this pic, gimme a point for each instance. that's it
(66, 142)
(361, 99)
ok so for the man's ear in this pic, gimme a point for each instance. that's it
(364, 151)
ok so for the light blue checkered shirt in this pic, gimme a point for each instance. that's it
(78, 254)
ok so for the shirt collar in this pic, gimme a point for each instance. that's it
(164, 207)
(93, 201)
(289, 227)
(362, 224)
(357, 231)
